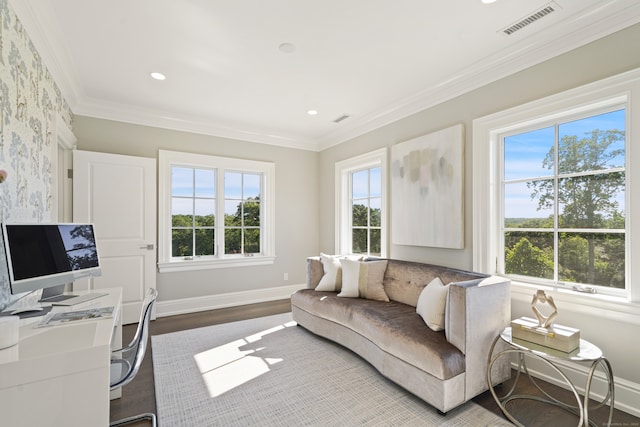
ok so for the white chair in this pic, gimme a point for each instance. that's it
(126, 361)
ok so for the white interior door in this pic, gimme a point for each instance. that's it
(118, 195)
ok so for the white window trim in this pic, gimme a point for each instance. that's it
(167, 159)
(486, 130)
(343, 170)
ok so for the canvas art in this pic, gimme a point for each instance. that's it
(427, 181)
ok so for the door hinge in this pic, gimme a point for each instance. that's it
(70, 173)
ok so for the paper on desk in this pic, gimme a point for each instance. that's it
(53, 319)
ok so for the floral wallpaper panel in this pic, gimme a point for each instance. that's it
(30, 101)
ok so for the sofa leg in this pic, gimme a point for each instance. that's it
(441, 413)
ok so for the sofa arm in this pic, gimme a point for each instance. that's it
(315, 271)
(476, 312)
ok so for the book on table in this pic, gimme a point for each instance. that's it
(557, 337)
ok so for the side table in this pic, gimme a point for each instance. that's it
(587, 352)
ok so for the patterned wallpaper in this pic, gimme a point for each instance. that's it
(30, 102)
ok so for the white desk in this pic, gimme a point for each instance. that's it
(59, 375)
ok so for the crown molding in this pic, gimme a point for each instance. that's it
(200, 125)
(575, 31)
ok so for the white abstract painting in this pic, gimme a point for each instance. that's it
(427, 179)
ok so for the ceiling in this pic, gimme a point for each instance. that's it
(375, 61)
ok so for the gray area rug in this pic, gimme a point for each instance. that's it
(270, 372)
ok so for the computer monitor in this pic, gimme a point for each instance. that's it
(48, 256)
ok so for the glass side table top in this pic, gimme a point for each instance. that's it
(586, 352)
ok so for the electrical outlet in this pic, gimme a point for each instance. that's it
(286, 276)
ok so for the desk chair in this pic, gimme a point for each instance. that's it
(126, 362)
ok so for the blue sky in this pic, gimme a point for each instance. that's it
(524, 154)
(367, 183)
(185, 184)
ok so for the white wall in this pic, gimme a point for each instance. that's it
(618, 336)
(296, 209)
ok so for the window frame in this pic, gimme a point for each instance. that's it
(168, 159)
(343, 171)
(556, 176)
(622, 89)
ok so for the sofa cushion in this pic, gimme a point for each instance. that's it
(404, 280)
(394, 327)
(363, 280)
(432, 303)
(332, 278)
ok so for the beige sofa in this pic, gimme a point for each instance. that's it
(444, 368)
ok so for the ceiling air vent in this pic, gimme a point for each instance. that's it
(533, 17)
(341, 118)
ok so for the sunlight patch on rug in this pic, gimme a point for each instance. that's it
(226, 366)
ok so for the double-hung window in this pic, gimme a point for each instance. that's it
(214, 212)
(361, 204)
(552, 193)
(563, 196)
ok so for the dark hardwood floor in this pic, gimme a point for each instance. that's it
(139, 395)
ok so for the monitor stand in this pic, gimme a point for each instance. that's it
(54, 294)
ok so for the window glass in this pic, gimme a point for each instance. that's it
(593, 143)
(242, 212)
(205, 241)
(592, 258)
(214, 212)
(360, 202)
(181, 181)
(193, 207)
(181, 242)
(524, 208)
(526, 154)
(529, 253)
(366, 201)
(205, 183)
(564, 201)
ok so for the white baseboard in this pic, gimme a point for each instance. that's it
(232, 299)
(627, 393)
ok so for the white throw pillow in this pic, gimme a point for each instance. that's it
(363, 279)
(331, 281)
(432, 303)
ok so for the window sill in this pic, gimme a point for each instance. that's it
(209, 264)
(606, 306)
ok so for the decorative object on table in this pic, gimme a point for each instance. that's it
(541, 297)
(542, 331)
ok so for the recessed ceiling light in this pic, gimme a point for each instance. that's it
(488, 1)
(312, 112)
(287, 48)
(158, 76)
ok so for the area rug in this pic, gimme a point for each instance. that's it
(270, 372)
